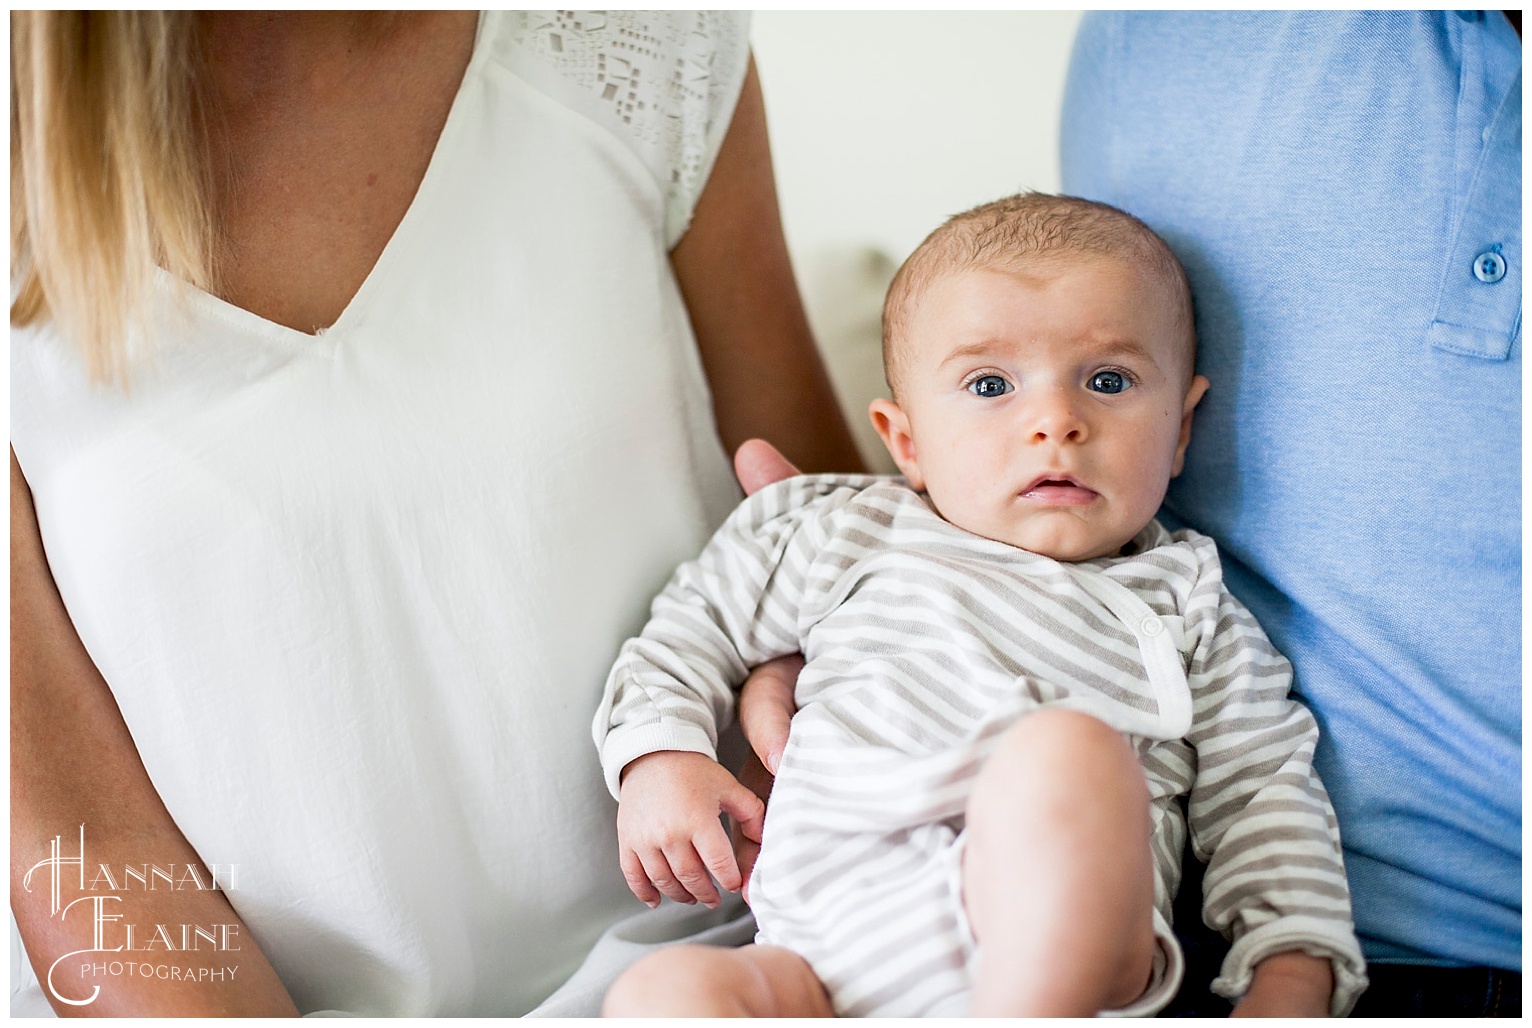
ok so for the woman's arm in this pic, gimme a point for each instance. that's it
(733, 268)
(74, 764)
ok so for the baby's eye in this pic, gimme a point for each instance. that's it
(989, 386)
(1108, 382)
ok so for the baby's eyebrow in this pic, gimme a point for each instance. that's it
(969, 351)
(1123, 348)
(1118, 348)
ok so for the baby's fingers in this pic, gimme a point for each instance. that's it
(657, 868)
(638, 879)
(693, 875)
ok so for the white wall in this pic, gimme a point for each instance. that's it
(882, 125)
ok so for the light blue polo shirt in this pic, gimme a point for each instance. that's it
(1345, 192)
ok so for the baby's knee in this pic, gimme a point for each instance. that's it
(1056, 739)
(666, 983)
(1064, 730)
(708, 981)
(1056, 758)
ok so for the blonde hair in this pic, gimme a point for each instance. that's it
(1011, 231)
(107, 177)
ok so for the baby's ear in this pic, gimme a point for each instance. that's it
(893, 427)
(1194, 395)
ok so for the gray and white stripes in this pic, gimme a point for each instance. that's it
(924, 643)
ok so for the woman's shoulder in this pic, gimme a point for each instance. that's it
(663, 83)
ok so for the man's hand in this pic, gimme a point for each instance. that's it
(668, 833)
(1291, 984)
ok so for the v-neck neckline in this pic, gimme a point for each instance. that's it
(323, 339)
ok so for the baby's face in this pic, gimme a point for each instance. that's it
(1048, 409)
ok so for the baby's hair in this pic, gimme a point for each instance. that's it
(1009, 233)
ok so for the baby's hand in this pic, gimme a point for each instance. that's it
(668, 830)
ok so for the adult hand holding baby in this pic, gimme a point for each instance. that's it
(667, 824)
(766, 704)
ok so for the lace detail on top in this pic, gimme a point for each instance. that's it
(664, 82)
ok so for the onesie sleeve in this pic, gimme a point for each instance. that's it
(735, 606)
(1259, 814)
(664, 83)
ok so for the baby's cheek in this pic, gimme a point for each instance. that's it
(1149, 492)
(955, 499)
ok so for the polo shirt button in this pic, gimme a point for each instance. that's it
(1151, 626)
(1489, 267)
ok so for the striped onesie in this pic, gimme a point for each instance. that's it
(925, 642)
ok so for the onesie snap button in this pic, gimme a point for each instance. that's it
(1151, 626)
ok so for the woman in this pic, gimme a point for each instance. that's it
(356, 416)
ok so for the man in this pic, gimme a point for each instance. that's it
(1344, 191)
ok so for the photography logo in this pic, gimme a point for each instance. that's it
(159, 953)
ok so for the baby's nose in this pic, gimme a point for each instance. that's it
(1052, 417)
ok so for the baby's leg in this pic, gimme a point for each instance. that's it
(1058, 879)
(712, 981)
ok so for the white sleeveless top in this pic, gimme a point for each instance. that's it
(356, 594)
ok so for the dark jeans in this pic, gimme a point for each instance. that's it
(1397, 990)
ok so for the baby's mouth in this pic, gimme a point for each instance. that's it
(1058, 491)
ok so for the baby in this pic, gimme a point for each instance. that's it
(1019, 687)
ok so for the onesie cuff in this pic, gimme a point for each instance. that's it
(1317, 937)
(623, 746)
